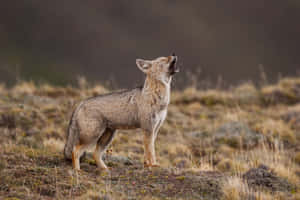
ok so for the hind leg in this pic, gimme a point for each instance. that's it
(102, 145)
(91, 128)
(77, 152)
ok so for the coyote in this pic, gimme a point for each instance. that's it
(95, 120)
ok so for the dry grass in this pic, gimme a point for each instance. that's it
(275, 157)
(34, 120)
(235, 188)
(277, 129)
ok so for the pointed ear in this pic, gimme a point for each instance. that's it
(143, 65)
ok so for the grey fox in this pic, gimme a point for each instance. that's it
(95, 120)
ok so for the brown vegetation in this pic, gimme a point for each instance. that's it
(237, 144)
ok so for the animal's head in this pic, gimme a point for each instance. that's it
(162, 68)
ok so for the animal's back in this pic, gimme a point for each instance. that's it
(118, 109)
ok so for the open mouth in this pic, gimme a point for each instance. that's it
(173, 68)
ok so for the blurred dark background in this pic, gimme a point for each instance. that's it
(58, 40)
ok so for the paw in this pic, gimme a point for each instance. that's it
(77, 170)
(149, 165)
(155, 165)
(103, 169)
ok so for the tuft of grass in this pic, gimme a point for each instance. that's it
(225, 165)
(276, 129)
(246, 93)
(284, 92)
(234, 188)
(276, 157)
(24, 88)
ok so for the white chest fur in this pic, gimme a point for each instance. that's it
(162, 115)
(159, 118)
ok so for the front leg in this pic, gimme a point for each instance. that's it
(149, 149)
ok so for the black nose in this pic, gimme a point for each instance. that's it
(173, 54)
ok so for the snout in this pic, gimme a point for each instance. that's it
(173, 68)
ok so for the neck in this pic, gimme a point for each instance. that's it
(153, 84)
(157, 91)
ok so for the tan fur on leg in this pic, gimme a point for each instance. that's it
(76, 154)
(97, 156)
(75, 157)
(149, 150)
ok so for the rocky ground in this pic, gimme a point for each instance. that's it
(242, 143)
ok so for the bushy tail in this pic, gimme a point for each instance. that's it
(72, 138)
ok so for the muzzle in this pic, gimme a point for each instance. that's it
(173, 68)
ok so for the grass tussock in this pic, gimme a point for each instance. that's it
(235, 188)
